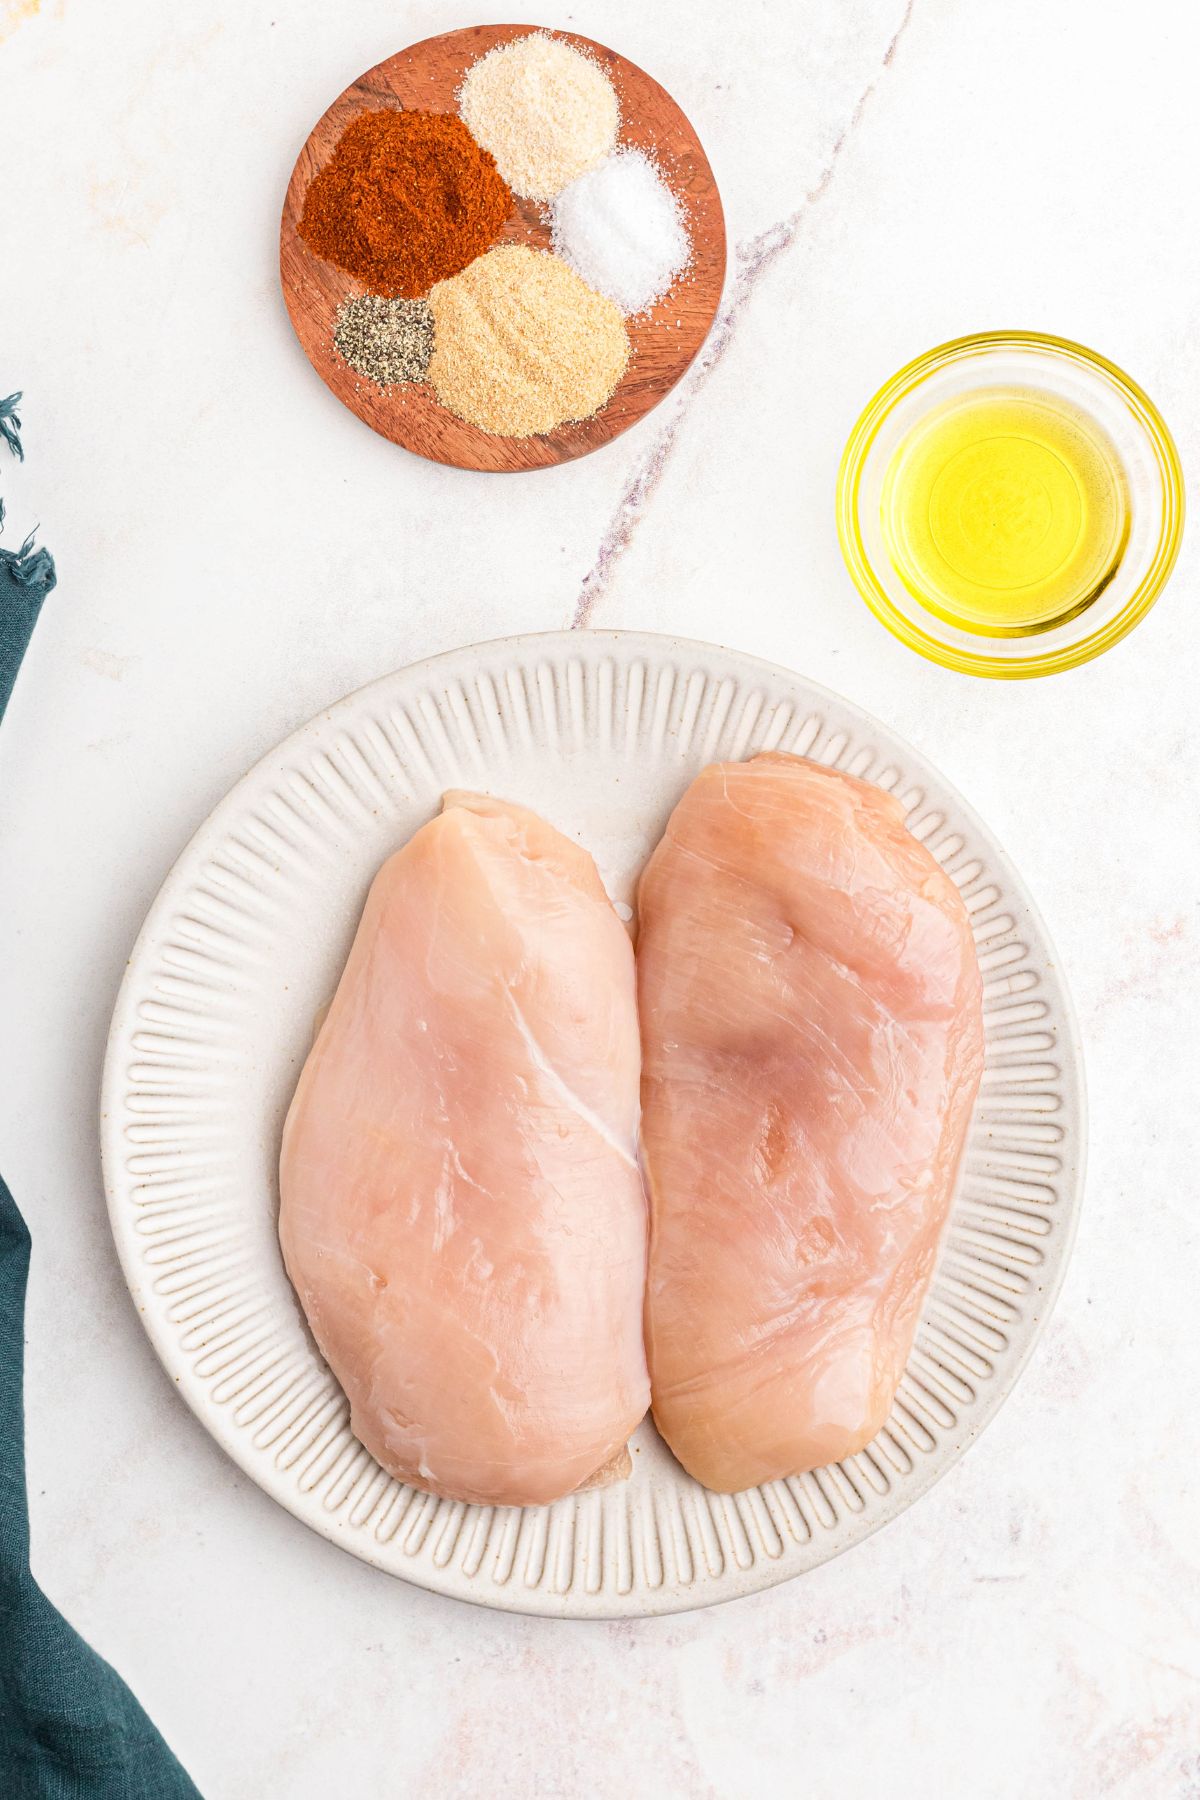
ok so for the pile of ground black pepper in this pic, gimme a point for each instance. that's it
(388, 341)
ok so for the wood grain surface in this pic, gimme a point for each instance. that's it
(664, 340)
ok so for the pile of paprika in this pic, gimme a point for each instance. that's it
(406, 199)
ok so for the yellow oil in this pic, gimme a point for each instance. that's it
(1006, 511)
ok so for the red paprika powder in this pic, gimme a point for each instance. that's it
(406, 199)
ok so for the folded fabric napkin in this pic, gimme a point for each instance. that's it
(69, 1727)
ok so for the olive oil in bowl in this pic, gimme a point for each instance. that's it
(1005, 511)
(1010, 504)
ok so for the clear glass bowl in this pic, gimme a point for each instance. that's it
(1087, 382)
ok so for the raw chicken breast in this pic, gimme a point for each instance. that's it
(812, 1037)
(461, 1212)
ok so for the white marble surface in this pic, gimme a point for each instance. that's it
(234, 551)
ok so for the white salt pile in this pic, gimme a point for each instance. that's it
(620, 227)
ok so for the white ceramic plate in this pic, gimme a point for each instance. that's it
(600, 732)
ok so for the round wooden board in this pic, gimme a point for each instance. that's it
(664, 340)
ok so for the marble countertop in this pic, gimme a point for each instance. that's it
(235, 551)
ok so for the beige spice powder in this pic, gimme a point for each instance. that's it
(545, 111)
(522, 345)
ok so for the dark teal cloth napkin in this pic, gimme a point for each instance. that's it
(69, 1727)
(26, 575)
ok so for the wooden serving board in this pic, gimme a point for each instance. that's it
(664, 341)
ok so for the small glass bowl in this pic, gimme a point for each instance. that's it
(1086, 381)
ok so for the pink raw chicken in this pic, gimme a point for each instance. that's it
(461, 1212)
(812, 1036)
